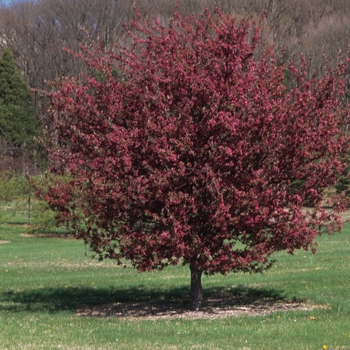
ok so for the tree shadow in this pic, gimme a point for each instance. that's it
(73, 298)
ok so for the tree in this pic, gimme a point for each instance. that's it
(18, 121)
(190, 158)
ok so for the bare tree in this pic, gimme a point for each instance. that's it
(36, 31)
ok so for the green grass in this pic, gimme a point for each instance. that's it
(44, 280)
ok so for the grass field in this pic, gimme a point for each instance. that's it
(43, 281)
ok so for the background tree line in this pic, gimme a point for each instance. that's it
(36, 31)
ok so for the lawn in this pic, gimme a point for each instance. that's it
(43, 281)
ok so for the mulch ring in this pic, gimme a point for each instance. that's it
(214, 308)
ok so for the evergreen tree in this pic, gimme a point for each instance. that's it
(18, 121)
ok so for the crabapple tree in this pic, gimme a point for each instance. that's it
(191, 154)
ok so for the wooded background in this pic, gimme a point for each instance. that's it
(36, 31)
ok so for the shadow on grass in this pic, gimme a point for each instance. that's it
(70, 299)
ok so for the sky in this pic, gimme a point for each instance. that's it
(7, 2)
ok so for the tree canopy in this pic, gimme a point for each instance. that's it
(191, 157)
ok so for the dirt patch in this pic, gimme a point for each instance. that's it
(46, 235)
(345, 216)
(214, 308)
(4, 242)
(18, 225)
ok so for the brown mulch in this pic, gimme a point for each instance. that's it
(214, 308)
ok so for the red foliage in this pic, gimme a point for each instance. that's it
(191, 156)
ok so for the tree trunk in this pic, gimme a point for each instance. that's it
(196, 287)
(29, 211)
